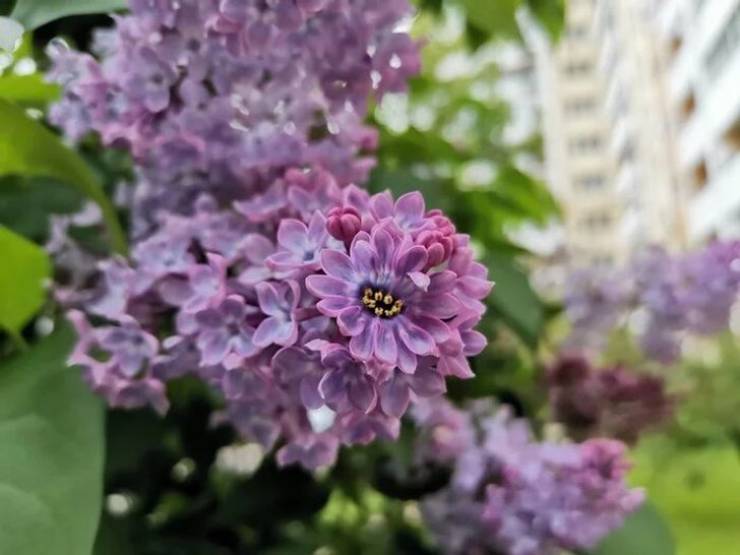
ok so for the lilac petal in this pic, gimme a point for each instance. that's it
(407, 361)
(209, 318)
(277, 331)
(383, 244)
(332, 387)
(416, 339)
(332, 306)
(255, 274)
(437, 328)
(457, 366)
(361, 346)
(411, 260)
(420, 279)
(394, 397)
(410, 207)
(382, 204)
(444, 306)
(257, 248)
(475, 342)
(352, 321)
(442, 282)
(428, 383)
(474, 287)
(362, 395)
(293, 235)
(317, 228)
(243, 344)
(213, 346)
(338, 265)
(269, 299)
(326, 286)
(364, 257)
(385, 343)
(309, 392)
(234, 308)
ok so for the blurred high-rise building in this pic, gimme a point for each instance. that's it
(641, 120)
(701, 41)
(576, 134)
(641, 135)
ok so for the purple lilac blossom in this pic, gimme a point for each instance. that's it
(513, 495)
(222, 97)
(671, 296)
(327, 343)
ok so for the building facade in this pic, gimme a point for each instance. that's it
(701, 39)
(578, 165)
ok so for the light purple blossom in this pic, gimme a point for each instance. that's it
(511, 494)
(671, 296)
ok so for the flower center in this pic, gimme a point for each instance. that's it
(381, 303)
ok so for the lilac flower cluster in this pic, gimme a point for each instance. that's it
(670, 296)
(512, 495)
(222, 96)
(609, 402)
(319, 313)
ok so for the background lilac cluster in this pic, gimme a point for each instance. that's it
(609, 402)
(318, 312)
(511, 494)
(668, 296)
(220, 96)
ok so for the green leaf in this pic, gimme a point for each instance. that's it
(51, 461)
(27, 203)
(25, 267)
(28, 90)
(34, 13)
(495, 17)
(644, 532)
(513, 298)
(550, 14)
(33, 150)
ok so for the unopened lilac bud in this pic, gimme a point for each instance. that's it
(343, 223)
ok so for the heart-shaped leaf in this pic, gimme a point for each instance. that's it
(34, 13)
(51, 460)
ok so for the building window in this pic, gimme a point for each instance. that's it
(580, 106)
(687, 107)
(725, 46)
(591, 182)
(582, 145)
(732, 136)
(596, 222)
(578, 32)
(700, 175)
(577, 69)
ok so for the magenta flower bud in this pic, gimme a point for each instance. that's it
(439, 247)
(343, 223)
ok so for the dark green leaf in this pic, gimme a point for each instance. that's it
(34, 13)
(513, 298)
(51, 461)
(26, 204)
(645, 532)
(25, 267)
(32, 150)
